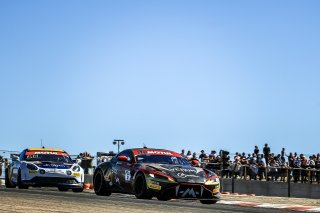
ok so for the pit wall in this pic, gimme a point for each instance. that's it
(269, 188)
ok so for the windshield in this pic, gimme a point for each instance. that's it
(60, 157)
(161, 159)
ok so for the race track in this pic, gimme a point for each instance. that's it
(51, 200)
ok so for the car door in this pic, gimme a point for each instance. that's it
(125, 171)
(15, 165)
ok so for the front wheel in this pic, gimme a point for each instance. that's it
(99, 184)
(140, 187)
(208, 201)
(8, 183)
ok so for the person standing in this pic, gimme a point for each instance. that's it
(1, 165)
(256, 150)
(266, 153)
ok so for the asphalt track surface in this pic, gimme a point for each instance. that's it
(52, 200)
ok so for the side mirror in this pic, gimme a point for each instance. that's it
(123, 158)
(15, 158)
(195, 163)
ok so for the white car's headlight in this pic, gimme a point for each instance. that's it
(76, 169)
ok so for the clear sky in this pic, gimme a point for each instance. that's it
(167, 74)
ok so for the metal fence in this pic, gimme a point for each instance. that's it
(269, 173)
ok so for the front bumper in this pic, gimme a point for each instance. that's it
(67, 182)
(184, 190)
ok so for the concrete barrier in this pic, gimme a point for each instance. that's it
(269, 188)
(264, 188)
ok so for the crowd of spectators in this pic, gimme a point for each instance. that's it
(261, 165)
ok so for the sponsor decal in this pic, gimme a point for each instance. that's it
(53, 166)
(183, 170)
(76, 174)
(46, 153)
(127, 175)
(188, 193)
(32, 172)
(183, 175)
(156, 152)
(154, 185)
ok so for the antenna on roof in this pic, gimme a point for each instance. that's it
(144, 146)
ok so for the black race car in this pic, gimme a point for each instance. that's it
(148, 173)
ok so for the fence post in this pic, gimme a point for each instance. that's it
(245, 172)
(288, 179)
(232, 190)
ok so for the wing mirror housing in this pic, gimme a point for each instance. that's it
(195, 163)
(123, 158)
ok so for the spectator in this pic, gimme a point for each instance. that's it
(317, 167)
(261, 166)
(253, 165)
(235, 167)
(182, 153)
(194, 157)
(274, 168)
(266, 153)
(6, 163)
(213, 154)
(311, 168)
(256, 150)
(296, 169)
(189, 155)
(1, 164)
(304, 166)
(202, 155)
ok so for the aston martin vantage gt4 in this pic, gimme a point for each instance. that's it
(163, 174)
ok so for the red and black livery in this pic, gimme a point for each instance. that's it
(159, 173)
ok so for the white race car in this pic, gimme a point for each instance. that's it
(44, 167)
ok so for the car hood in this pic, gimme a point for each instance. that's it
(181, 173)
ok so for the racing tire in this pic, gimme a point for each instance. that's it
(77, 190)
(100, 187)
(20, 183)
(140, 187)
(63, 189)
(208, 201)
(8, 183)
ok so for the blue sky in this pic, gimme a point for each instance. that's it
(167, 74)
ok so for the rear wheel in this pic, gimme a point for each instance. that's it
(208, 201)
(77, 190)
(140, 187)
(8, 183)
(99, 183)
(20, 183)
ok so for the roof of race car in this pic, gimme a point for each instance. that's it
(45, 149)
(148, 151)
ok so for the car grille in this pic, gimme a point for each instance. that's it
(53, 181)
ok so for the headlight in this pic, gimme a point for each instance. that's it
(161, 177)
(76, 169)
(212, 180)
(31, 167)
